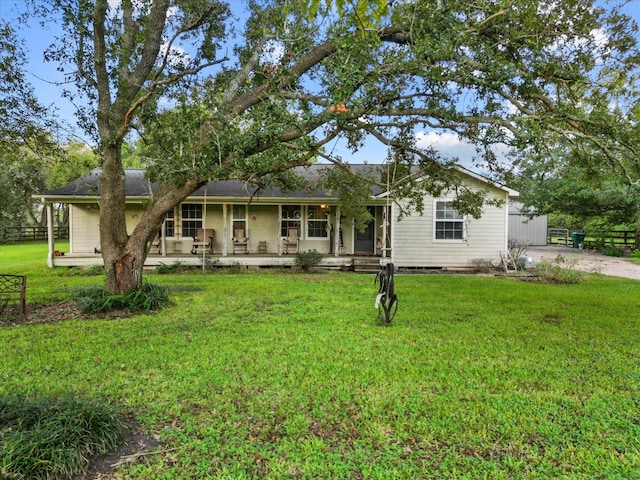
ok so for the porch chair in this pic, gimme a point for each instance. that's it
(240, 241)
(203, 239)
(291, 243)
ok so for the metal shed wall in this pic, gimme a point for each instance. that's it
(524, 230)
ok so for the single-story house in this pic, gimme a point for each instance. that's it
(226, 210)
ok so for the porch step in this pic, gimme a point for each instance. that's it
(366, 264)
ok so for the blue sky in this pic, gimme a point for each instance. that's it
(44, 76)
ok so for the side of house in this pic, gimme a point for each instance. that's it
(441, 237)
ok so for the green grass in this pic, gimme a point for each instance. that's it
(273, 375)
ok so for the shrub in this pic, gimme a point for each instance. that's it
(483, 265)
(165, 269)
(49, 437)
(558, 270)
(98, 299)
(307, 259)
(611, 250)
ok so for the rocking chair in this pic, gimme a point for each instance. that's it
(203, 239)
(291, 243)
(240, 241)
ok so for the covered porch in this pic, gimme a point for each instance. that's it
(319, 227)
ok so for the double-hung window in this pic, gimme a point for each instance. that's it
(317, 221)
(169, 225)
(449, 224)
(239, 216)
(289, 217)
(191, 219)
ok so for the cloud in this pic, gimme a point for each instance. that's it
(450, 146)
(440, 140)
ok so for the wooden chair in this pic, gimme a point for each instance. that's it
(240, 241)
(203, 239)
(291, 243)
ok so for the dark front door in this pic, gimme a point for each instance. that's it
(365, 241)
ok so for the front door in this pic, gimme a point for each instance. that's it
(365, 240)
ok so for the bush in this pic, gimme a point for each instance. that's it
(611, 250)
(165, 269)
(99, 300)
(46, 438)
(558, 271)
(307, 259)
(483, 265)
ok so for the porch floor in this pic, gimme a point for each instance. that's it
(249, 260)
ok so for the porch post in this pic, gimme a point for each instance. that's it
(279, 226)
(224, 229)
(50, 234)
(385, 216)
(336, 236)
(163, 237)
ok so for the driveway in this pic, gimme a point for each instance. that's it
(588, 261)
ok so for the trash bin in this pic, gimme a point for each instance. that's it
(578, 239)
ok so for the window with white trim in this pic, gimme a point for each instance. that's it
(449, 224)
(169, 225)
(290, 217)
(191, 219)
(239, 218)
(317, 219)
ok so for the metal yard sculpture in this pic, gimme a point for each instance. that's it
(386, 301)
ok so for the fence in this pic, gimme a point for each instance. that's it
(618, 238)
(557, 236)
(23, 234)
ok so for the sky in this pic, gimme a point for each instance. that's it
(44, 76)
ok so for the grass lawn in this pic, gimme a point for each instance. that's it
(276, 375)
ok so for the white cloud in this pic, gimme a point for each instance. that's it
(438, 140)
(450, 146)
(272, 53)
(177, 56)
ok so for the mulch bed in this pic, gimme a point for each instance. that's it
(53, 313)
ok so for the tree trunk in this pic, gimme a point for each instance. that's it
(123, 254)
(122, 264)
(124, 274)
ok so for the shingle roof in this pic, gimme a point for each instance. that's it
(136, 185)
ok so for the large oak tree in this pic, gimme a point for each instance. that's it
(217, 97)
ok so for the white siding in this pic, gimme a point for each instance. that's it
(263, 226)
(413, 243)
(84, 228)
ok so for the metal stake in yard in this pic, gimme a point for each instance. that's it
(386, 301)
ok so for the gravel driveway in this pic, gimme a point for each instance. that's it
(588, 261)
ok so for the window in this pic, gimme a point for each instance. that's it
(191, 219)
(169, 225)
(239, 218)
(317, 221)
(449, 223)
(290, 217)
